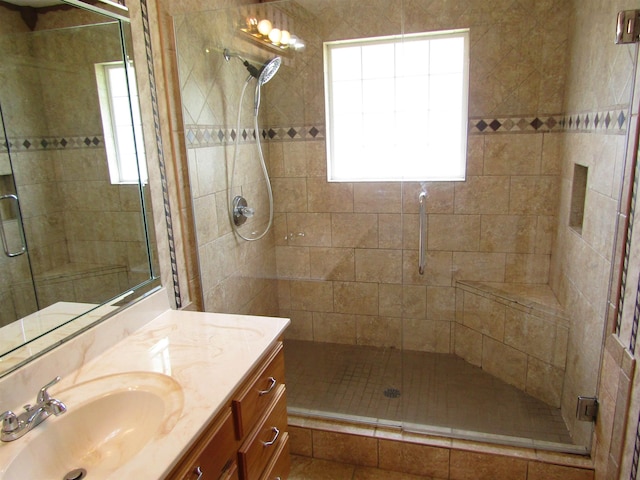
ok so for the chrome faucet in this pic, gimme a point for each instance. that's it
(15, 426)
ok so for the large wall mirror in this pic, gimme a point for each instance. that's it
(75, 218)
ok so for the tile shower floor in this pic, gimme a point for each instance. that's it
(383, 385)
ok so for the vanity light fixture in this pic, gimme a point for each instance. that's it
(268, 33)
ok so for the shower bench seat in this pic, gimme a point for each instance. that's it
(517, 332)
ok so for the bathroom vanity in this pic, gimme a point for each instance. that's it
(157, 394)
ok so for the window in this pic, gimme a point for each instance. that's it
(120, 119)
(397, 107)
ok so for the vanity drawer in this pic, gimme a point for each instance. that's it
(280, 464)
(214, 454)
(265, 440)
(252, 401)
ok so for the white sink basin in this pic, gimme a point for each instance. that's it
(108, 421)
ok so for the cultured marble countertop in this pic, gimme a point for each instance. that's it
(208, 354)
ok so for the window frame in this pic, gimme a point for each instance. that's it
(461, 155)
(117, 163)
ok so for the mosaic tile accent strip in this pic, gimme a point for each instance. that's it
(160, 152)
(636, 454)
(30, 144)
(612, 121)
(200, 136)
(543, 123)
(628, 236)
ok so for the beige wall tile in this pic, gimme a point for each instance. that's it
(487, 194)
(544, 381)
(313, 296)
(481, 466)
(334, 328)
(441, 303)
(509, 233)
(504, 362)
(438, 268)
(536, 195)
(530, 334)
(484, 315)
(329, 197)
(546, 471)
(358, 230)
(351, 449)
(440, 196)
(390, 300)
(453, 232)
(301, 327)
(414, 301)
(300, 441)
(426, 335)
(292, 262)
(379, 331)
(309, 229)
(527, 268)
(468, 344)
(482, 267)
(414, 459)
(389, 226)
(332, 263)
(377, 265)
(356, 297)
(289, 194)
(475, 154)
(377, 197)
(513, 154)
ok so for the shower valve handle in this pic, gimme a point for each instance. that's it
(247, 211)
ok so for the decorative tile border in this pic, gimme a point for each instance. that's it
(24, 144)
(544, 123)
(200, 136)
(160, 151)
(612, 121)
(636, 454)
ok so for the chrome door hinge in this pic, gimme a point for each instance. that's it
(628, 26)
(587, 409)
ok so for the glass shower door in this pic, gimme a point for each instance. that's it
(17, 289)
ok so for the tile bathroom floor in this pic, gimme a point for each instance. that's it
(383, 385)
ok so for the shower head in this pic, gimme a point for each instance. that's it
(265, 73)
(269, 69)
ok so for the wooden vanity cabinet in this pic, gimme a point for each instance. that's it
(248, 440)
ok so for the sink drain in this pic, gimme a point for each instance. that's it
(77, 474)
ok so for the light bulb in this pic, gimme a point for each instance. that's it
(264, 27)
(274, 35)
(285, 37)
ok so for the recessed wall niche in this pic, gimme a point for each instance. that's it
(578, 195)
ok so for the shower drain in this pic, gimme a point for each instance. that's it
(392, 393)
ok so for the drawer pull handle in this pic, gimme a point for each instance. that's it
(198, 471)
(276, 433)
(272, 384)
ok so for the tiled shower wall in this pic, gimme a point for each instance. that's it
(346, 253)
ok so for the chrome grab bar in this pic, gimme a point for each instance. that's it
(3, 236)
(422, 200)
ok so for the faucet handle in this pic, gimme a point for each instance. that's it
(43, 395)
(10, 422)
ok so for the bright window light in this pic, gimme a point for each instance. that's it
(120, 119)
(397, 107)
